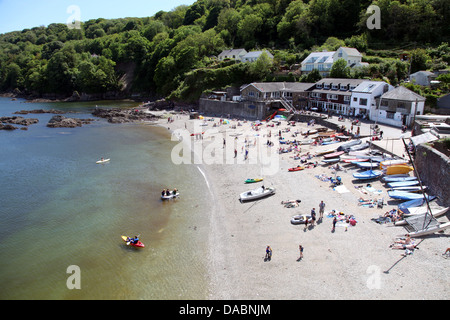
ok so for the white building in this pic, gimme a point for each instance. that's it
(323, 61)
(236, 54)
(365, 96)
(252, 56)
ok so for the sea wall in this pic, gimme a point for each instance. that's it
(434, 170)
(233, 109)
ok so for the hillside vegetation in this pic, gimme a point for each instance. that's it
(173, 53)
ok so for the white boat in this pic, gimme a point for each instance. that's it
(430, 230)
(103, 161)
(385, 164)
(301, 219)
(170, 196)
(422, 210)
(257, 193)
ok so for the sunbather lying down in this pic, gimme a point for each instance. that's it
(401, 246)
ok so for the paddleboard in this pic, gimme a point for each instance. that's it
(103, 161)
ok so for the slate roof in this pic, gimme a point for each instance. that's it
(402, 93)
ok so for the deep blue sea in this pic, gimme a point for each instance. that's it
(59, 208)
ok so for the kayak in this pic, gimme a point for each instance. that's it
(254, 180)
(296, 169)
(103, 161)
(139, 244)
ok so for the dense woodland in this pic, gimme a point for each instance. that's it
(173, 54)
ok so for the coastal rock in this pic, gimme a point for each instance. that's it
(7, 127)
(59, 121)
(38, 111)
(18, 120)
(116, 115)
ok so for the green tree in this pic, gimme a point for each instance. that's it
(340, 69)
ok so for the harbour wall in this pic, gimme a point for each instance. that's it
(434, 169)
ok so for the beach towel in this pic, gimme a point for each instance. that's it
(341, 189)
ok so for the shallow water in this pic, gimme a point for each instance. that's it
(59, 208)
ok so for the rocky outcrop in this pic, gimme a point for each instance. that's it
(124, 115)
(39, 111)
(59, 121)
(18, 120)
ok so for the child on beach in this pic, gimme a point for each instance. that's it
(268, 253)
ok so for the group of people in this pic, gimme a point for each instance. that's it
(167, 192)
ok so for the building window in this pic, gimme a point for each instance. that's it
(334, 87)
(362, 102)
(346, 98)
(390, 115)
(319, 86)
(355, 99)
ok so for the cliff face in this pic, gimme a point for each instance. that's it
(434, 170)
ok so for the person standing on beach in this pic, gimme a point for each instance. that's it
(313, 216)
(321, 209)
(268, 253)
(300, 247)
(334, 224)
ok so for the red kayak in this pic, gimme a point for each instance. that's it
(296, 169)
(139, 244)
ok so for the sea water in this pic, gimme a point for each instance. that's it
(58, 208)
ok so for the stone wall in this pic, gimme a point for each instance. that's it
(434, 171)
(233, 109)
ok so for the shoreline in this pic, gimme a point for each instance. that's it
(350, 263)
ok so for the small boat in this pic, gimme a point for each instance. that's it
(170, 196)
(254, 180)
(308, 132)
(369, 174)
(437, 212)
(388, 163)
(301, 219)
(103, 161)
(359, 147)
(403, 184)
(430, 230)
(139, 244)
(353, 160)
(404, 195)
(333, 155)
(307, 141)
(321, 153)
(366, 165)
(346, 146)
(398, 178)
(414, 203)
(396, 169)
(257, 193)
(297, 168)
(410, 188)
(330, 142)
(331, 160)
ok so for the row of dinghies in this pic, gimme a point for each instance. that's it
(419, 215)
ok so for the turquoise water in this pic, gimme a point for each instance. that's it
(59, 208)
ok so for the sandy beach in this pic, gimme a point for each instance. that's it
(353, 262)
